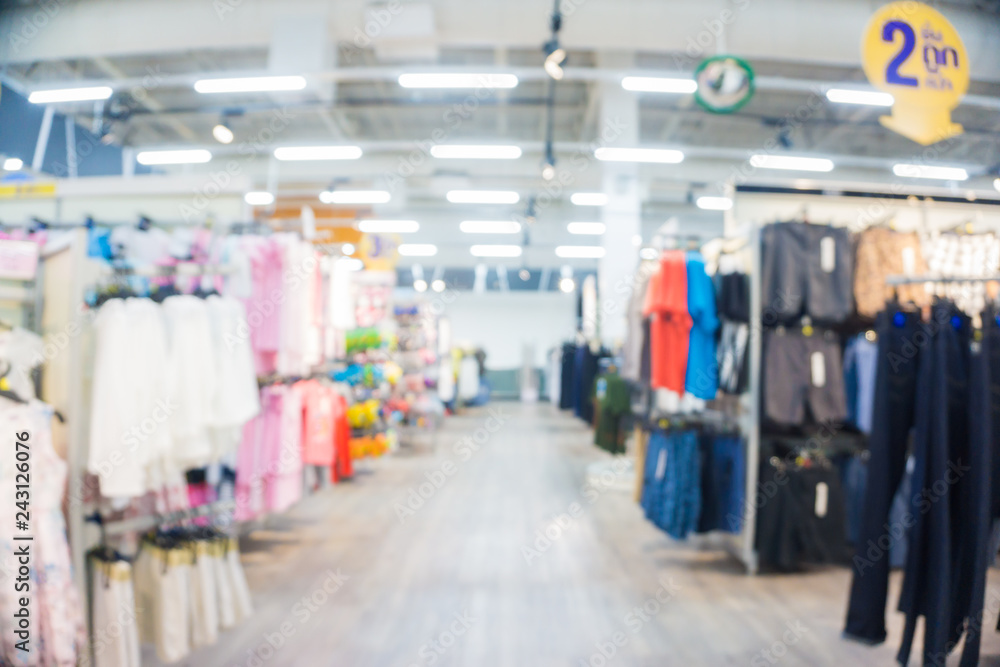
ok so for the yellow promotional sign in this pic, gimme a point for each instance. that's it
(27, 190)
(911, 51)
(379, 252)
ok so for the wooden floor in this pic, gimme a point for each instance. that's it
(452, 584)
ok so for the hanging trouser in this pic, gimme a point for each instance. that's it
(900, 344)
(991, 352)
(977, 517)
(939, 480)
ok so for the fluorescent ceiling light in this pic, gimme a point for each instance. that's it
(566, 285)
(354, 197)
(490, 226)
(259, 198)
(659, 84)
(250, 84)
(580, 251)
(996, 184)
(658, 155)
(590, 228)
(714, 203)
(926, 171)
(477, 152)
(417, 249)
(445, 80)
(791, 163)
(420, 285)
(850, 96)
(12, 164)
(388, 226)
(291, 153)
(438, 285)
(70, 95)
(589, 199)
(195, 156)
(496, 250)
(483, 197)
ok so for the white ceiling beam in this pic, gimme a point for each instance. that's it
(524, 74)
(80, 30)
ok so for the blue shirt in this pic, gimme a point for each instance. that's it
(702, 377)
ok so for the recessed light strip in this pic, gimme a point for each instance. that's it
(457, 80)
(649, 155)
(791, 162)
(70, 95)
(354, 197)
(658, 84)
(485, 152)
(388, 226)
(299, 153)
(490, 226)
(928, 171)
(483, 197)
(251, 84)
(194, 156)
(496, 250)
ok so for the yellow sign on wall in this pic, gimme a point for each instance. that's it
(911, 51)
(379, 252)
(27, 190)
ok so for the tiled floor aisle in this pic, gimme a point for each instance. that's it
(461, 582)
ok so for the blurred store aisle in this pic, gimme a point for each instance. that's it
(440, 559)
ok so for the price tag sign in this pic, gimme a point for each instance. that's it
(911, 51)
(18, 260)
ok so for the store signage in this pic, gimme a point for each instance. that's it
(18, 260)
(725, 83)
(911, 51)
(379, 252)
(27, 190)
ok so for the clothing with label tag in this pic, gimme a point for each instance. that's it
(802, 370)
(806, 270)
(805, 520)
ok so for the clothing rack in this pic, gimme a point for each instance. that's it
(147, 522)
(910, 280)
(183, 270)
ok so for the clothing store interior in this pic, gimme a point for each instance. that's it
(527, 333)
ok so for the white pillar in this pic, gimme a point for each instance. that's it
(623, 213)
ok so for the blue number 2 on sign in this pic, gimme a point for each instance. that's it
(892, 74)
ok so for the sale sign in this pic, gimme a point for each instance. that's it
(911, 51)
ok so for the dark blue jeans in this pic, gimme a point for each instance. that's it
(901, 344)
(948, 492)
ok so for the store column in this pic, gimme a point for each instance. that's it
(622, 214)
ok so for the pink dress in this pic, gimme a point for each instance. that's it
(57, 632)
(284, 452)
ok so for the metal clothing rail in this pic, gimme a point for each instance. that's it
(927, 278)
(146, 522)
(182, 270)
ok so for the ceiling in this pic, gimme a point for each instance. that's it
(152, 52)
